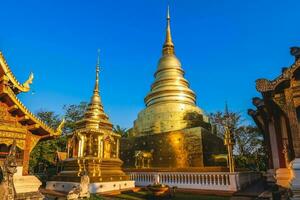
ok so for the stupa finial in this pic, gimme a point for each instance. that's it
(168, 48)
(96, 97)
(168, 13)
(226, 110)
(94, 112)
(96, 90)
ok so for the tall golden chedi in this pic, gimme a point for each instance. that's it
(171, 131)
(93, 149)
(170, 100)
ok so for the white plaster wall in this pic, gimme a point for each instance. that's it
(100, 187)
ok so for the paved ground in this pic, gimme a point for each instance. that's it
(256, 191)
(138, 195)
(253, 192)
(250, 193)
(144, 195)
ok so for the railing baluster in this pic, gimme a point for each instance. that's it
(197, 180)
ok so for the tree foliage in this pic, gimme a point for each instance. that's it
(73, 113)
(44, 153)
(249, 150)
(124, 132)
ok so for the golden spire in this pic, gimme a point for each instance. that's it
(170, 84)
(95, 113)
(168, 48)
(96, 96)
(96, 90)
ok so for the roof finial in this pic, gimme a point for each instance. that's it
(98, 58)
(168, 48)
(226, 109)
(96, 90)
(227, 115)
(168, 13)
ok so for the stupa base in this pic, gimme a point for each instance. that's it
(96, 187)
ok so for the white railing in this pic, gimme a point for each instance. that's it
(222, 181)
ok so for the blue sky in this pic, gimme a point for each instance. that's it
(224, 46)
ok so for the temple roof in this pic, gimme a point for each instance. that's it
(15, 85)
(9, 88)
(264, 85)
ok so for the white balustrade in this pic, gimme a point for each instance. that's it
(221, 181)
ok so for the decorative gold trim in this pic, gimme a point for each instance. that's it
(9, 141)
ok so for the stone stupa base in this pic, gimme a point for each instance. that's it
(105, 176)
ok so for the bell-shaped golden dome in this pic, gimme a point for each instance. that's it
(170, 84)
(170, 104)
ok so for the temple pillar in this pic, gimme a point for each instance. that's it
(295, 164)
(99, 147)
(263, 124)
(283, 174)
(271, 173)
(118, 148)
(26, 155)
(274, 146)
(292, 116)
(68, 148)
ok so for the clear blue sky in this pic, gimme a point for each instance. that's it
(224, 46)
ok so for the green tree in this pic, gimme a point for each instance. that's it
(121, 131)
(44, 152)
(73, 113)
(249, 150)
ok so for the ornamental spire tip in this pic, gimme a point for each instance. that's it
(168, 48)
(96, 90)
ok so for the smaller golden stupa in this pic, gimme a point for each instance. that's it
(93, 150)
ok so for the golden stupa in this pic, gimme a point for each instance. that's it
(93, 150)
(171, 132)
(171, 104)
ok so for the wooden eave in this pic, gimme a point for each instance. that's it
(23, 115)
(265, 85)
(5, 70)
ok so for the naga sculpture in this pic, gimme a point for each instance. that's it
(29, 81)
(9, 168)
